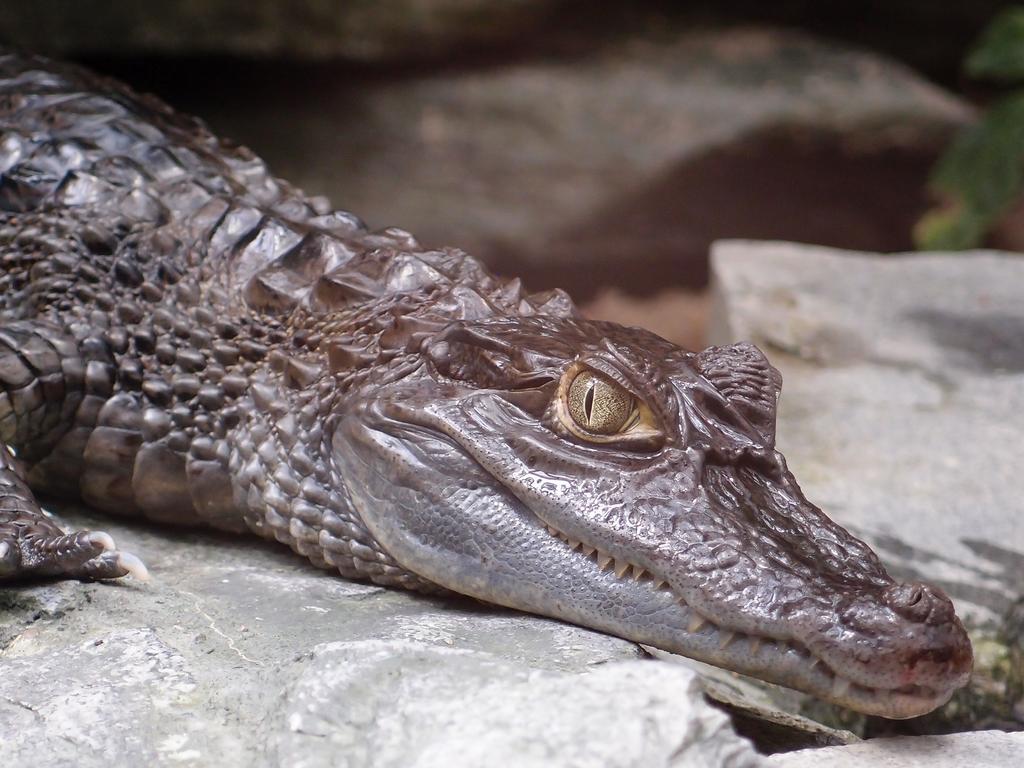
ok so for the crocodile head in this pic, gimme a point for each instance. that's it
(601, 475)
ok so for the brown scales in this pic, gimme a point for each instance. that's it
(151, 274)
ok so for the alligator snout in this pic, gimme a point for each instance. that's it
(937, 651)
(901, 646)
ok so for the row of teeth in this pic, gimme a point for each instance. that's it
(606, 561)
(623, 569)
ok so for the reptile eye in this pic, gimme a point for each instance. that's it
(599, 406)
(593, 408)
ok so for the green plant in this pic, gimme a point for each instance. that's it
(981, 174)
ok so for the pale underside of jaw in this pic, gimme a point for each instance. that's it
(779, 660)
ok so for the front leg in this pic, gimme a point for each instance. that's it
(41, 377)
(33, 546)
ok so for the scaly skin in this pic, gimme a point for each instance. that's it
(186, 339)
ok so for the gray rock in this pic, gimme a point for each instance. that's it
(900, 414)
(766, 714)
(125, 695)
(238, 653)
(982, 749)
(409, 703)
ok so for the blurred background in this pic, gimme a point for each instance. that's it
(596, 147)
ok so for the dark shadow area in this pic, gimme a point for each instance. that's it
(788, 183)
(1010, 563)
(932, 37)
(770, 736)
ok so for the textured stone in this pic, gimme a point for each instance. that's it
(982, 749)
(238, 653)
(414, 703)
(766, 714)
(123, 694)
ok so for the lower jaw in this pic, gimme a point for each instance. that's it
(790, 665)
(898, 705)
(782, 662)
(893, 703)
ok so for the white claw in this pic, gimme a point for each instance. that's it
(572, 543)
(105, 540)
(696, 624)
(135, 567)
(659, 584)
(815, 661)
(638, 573)
(588, 551)
(840, 687)
(552, 530)
(755, 646)
(4, 549)
(603, 561)
(621, 568)
(726, 640)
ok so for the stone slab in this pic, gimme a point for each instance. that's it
(240, 654)
(981, 749)
(409, 703)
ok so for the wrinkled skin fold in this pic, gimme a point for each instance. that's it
(186, 339)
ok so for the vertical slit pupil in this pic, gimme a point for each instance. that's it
(588, 402)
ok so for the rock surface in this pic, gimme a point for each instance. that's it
(238, 653)
(983, 749)
(900, 415)
(412, 703)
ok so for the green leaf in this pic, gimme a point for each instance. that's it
(949, 229)
(980, 175)
(999, 54)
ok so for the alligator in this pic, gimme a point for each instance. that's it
(187, 339)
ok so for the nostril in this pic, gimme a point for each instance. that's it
(913, 601)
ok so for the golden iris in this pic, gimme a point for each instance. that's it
(598, 405)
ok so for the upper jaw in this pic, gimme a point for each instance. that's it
(829, 672)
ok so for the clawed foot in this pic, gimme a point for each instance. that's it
(33, 546)
(79, 555)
